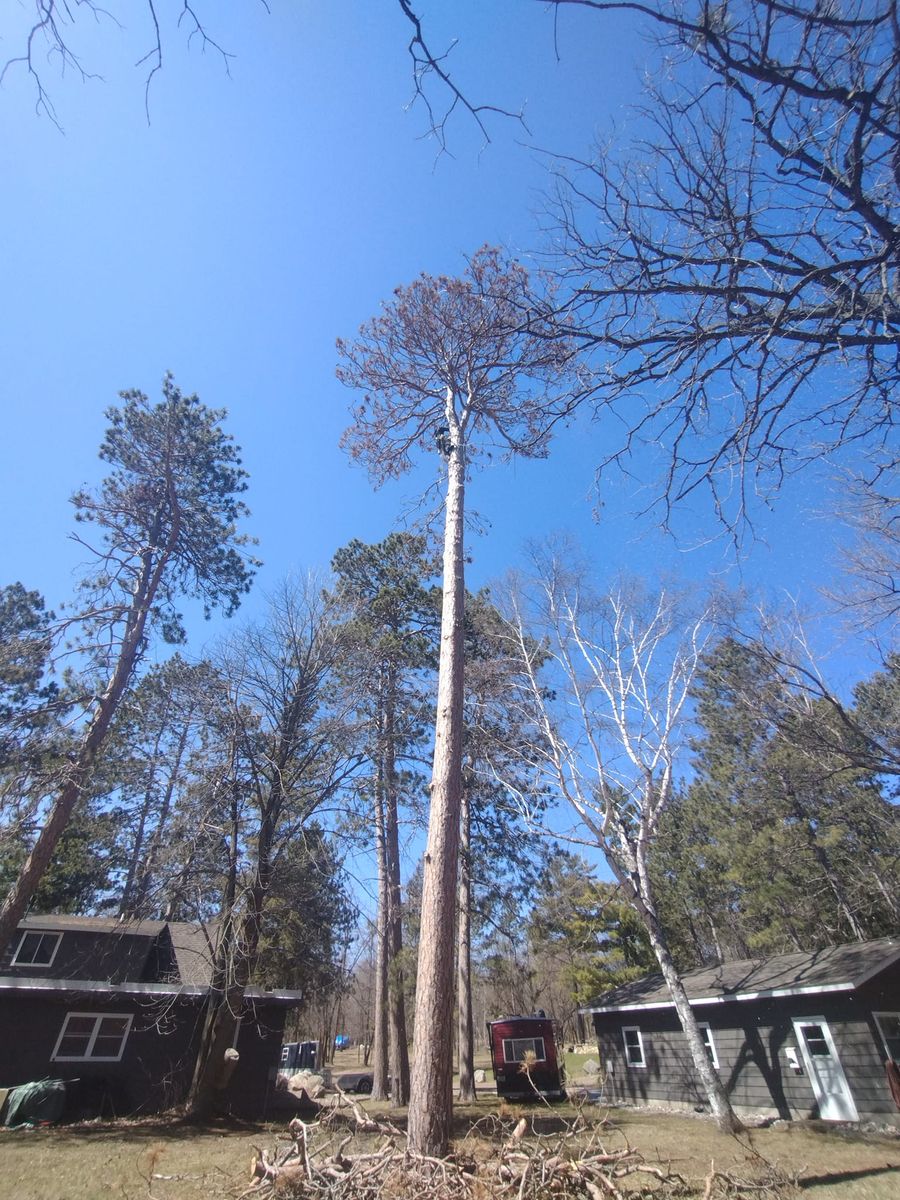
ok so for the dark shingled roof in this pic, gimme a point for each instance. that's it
(131, 942)
(836, 968)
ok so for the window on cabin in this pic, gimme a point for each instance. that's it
(634, 1046)
(515, 1049)
(889, 1027)
(98, 1037)
(36, 949)
(816, 1042)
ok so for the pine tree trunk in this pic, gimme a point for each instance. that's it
(148, 866)
(79, 776)
(380, 1048)
(431, 1101)
(399, 1049)
(465, 1032)
(136, 857)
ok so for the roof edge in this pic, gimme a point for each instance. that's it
(882, 966)
(26, 983)
(763, 994)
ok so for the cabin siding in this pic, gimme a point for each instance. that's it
(751, 1038)
(94, 960)
(152, 1073)
(157, 1063)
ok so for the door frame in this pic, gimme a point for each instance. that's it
(808, 1063)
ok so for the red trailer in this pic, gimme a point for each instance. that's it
(517, 1040)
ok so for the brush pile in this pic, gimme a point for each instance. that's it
(494, 1160)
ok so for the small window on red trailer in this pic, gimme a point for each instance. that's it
(515, 1049)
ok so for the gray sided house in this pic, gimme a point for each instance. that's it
(116, 1009)
(793, 1036)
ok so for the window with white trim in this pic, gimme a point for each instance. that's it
(634, 1046)
(94, 1037)
(36, 949)
(889, 1027)
(709, 1044)
(515, 1049)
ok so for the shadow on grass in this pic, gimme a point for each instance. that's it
(814, 1181)
(150, 1129)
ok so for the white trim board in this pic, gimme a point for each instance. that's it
(765, 994)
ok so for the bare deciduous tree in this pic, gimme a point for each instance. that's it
(457, 367)
(737, 268)
(625, 663)
(287, 752)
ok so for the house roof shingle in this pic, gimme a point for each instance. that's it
(185, 968)
(836, 968)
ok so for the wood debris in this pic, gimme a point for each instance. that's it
(510, 1162)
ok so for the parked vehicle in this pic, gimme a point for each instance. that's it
(526, 1058)
(299, 1056)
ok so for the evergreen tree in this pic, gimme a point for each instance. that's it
(165, 521)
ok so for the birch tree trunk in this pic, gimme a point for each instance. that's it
(431, 1100)
(719, 1104)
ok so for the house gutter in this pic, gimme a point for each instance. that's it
(767, 994)
(24, 983)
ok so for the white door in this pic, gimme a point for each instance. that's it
(829, 1083)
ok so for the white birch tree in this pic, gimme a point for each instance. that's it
(624, 664)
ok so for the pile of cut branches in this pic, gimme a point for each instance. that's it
(494, 1160)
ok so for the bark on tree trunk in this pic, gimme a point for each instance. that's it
(466, 1032)
(399, 1049)
(431, 1101)
(380, 1048)
(719, 1103)
(137, 851)
(147, 869)
(145, 589)
(236, 964)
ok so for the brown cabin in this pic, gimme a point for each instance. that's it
(795, 1036)
(116, 1008)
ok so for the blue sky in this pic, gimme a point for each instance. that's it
(262, 214)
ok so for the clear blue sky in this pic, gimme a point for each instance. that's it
(261, 215)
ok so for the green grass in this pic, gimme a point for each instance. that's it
(131, 1160)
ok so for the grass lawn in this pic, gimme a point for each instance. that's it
(126, 1160)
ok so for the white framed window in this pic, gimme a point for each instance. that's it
(634, 1046)
(95, 1037)
(36, 949)
(515, 1049)
(706, 1034)
(889, 1027)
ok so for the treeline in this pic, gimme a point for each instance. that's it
(784, 835)
(742, 806)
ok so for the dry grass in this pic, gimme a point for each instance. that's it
(165, 1160)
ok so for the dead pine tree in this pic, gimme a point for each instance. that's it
(460, 367)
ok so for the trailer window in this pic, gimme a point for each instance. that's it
(634, 1046)
(515, 1049)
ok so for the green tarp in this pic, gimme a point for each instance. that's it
(32, 1103)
